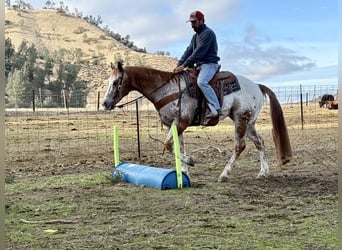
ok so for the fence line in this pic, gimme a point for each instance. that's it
(50, 135)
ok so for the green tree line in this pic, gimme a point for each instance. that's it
(46, 80)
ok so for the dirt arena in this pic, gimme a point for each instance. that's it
(65, 199)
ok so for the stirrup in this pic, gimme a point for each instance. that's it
(211, 115)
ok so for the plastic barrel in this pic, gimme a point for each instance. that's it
(141, 175)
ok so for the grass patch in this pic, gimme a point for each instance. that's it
(80, 180)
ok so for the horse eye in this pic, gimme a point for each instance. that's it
(115, 82)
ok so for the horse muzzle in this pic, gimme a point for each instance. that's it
(108, 105)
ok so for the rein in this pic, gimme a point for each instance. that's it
(162, 102)
(130, 102)
(162, 85)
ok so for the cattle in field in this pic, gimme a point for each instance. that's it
(325, 100)
(332, 104)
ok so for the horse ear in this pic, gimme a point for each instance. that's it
(120, 66)
(112, 65)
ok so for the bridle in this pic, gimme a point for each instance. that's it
(120, 80)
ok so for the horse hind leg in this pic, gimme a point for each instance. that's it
(254, 136)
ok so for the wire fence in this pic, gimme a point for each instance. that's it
(67, 135)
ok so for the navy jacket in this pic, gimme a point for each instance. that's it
(202, 48)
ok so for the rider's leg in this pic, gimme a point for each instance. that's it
(207, 71)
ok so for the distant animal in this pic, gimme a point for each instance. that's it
(325, 100)
(172, 98)
(332, 104)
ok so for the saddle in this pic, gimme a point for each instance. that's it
(223, 83)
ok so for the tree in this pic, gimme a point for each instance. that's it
(9, 53)
(48, 67)
(61, 5)
(48, 4)
(77, 13)
(8, 4)
(22, 5)
(78, 94)
(19, 58)
(15, 89)
(29, 65)
(69, 75)
(26, 73)
(66, 77)
(98, 20)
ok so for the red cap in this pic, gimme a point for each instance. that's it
(195, 15)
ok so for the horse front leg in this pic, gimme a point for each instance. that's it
(185, 160)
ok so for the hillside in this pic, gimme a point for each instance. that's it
(52, 30)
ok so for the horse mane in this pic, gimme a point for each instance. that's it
(147, 74)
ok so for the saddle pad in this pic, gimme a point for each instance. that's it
(223, 83)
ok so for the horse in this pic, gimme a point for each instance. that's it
(169, 93)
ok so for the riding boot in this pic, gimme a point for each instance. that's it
(214, 114)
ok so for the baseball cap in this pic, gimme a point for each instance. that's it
(195, 15)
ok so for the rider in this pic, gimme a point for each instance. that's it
(202, 53)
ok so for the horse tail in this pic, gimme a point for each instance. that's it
(280, 135)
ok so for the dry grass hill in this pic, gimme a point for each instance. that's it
(51, 30)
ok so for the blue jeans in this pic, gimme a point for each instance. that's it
(207, 72)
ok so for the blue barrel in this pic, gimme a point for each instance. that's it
(141, 175)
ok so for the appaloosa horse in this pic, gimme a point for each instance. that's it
(170, 93)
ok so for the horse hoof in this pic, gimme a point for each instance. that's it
(259, 176)
(191, 162)
(223, 179)
(188, 160)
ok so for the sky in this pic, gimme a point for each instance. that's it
(275, 42)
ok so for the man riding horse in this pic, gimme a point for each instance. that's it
(202, 53)
(241, 99)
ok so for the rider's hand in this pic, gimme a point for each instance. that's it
(178, 69)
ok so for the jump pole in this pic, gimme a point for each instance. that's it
(141, 175)
(177, 156)
(116, 146)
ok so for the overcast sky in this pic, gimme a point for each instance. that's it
(281, 42)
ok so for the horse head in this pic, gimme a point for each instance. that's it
(115, 90)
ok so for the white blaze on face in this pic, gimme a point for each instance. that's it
(109, 96)
(110, 86)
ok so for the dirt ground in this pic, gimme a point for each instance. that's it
(75, 205)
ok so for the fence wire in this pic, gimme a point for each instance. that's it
(67, 135)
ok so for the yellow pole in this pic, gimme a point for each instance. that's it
(177, 156)
(116, 146)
